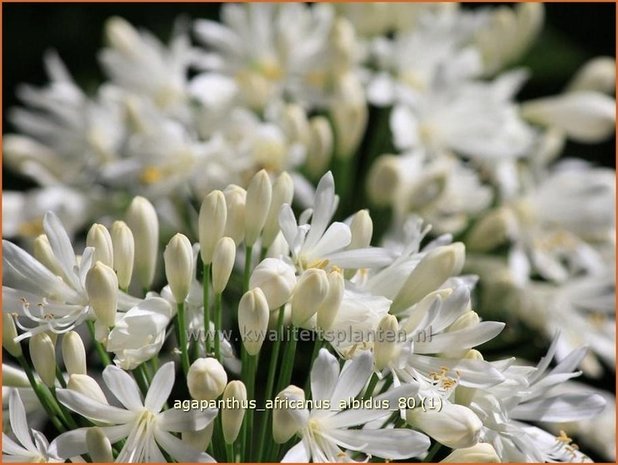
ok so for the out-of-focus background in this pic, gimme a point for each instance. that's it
(573, 33)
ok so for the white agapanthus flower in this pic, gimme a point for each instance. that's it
(29, 445)
(324, 431)
(147, 429)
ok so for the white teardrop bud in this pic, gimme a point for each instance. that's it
(385, 348)
(253, 315)
(124, 252)
(235, 200)
(99, 238)
(212, 219)
(288, 421)
(282, 193)
(309, 294)
(178, 258)
(233, 411)
(87, 386)
(102, 289)
(329, 308)
(43, 252)
(143, 222)
(321, 144)
(206, 379)
(431, 272)
(598, 74)
(276, 279)
(222, 263)
(259, 194)
(384, 180)
(43, 355)
(99, 447)
(480, 453)
(9, 333)
(73, 353)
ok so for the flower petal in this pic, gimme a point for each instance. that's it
(324, 375)
(92, 409)
(177, 420)
(123, 387)
(179, 450)
(353, 378)
(160, 388)
(394, 444)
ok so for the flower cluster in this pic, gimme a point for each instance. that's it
(197, 279)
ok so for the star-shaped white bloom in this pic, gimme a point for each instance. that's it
(325, 431)
(147, 429)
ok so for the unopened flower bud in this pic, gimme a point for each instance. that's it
(99, 447)
(454, 425)
(384, 180)
(102, 289)
(431, 272)
(276, 279)
(74, 353)
(235, 200)
(121, 35)
(598, 74)
(178, 258)
(321, 144)
(124, 252)
(206, 379)
(253, 315)
(328, 309)
(259, 194)
(43, 252)
(480, 453)
(9, 333)
(361, 229)
(385, 346)
(212, 219)
(199, 440)
(491, 231)
(43, 355)
(349, 114)
(142, 219)
(87, 386)
(295, 123)
(469, 319)
(585, 116)
(283, 192)
(309, 294)
(99, 238)
(222, 263)
(463, 394)
(231, 418)
(288, 421)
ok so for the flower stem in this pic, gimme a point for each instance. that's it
(372, 385)
(270, 381)
(432, 451)
(288, 361)
(218, 325)
(252, 361)
(317, 345)
(181, 332)
(40, 393)
(60, 378)
(140, 377)
(103, 355)
(206, 297)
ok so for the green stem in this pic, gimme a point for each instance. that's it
(218, 326)
(40, 393)
(263, 252)
(317, 345)
(141, 378)
(60, 378)
(252, 365)
(372, 385)
(206, 297)
(103, 355)
(270, 381)
(229, 451)
(181, 333)
(432, 451)
(288, 361)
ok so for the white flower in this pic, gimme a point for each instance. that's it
(326, 430)
(139, 333)
(53, 302)
(316, 244)
(527, 395)
(146, 428)
(31, 445)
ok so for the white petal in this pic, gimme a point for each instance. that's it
(297, 454)
(353, 378)
(564, 407)
(336, 237)
(92, 409)
(322, 209)
(324, 375)
(179, 450)
(160, 388)
(404, 126)
(123, 387)
(369, 257)
(178, 420)
(462, 339)
(61, 246)
(19, 423)
(395, 444)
